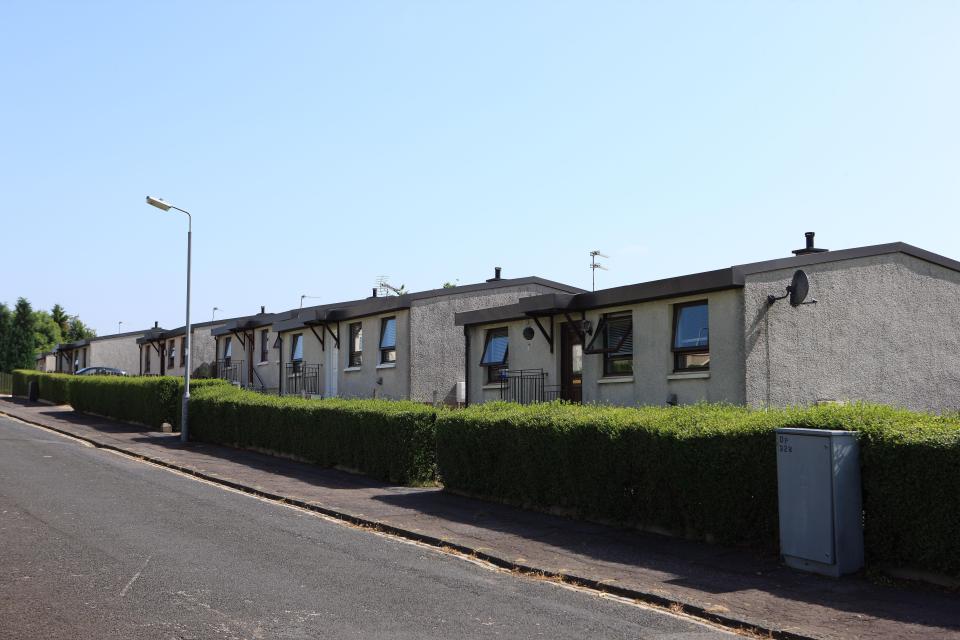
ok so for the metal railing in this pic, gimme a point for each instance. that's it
(302, 379)
(527, 386)
(230, 370)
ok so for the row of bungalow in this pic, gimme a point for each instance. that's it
(877, 324)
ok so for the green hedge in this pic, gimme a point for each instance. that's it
(54, 387)
(707, 470)
(146, 400)
(389, 440)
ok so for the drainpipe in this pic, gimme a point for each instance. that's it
(466, 365)
(280, 373)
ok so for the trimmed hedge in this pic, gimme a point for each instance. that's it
(146, 400)
(390, 440)
(707, 470)
(54, 387)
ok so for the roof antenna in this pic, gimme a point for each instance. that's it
(384, 288)
(594, 265)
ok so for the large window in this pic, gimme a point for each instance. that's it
(388, 341)
(691, 337)
(495, 352)
(264, 347)
(356, 345)
(614, 339)
(171, 354)
(296, 348)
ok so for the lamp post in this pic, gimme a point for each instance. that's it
(184, 413)
(213, 316)
(119, 323)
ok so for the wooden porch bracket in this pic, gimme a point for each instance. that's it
(319, 336)
(546, 336)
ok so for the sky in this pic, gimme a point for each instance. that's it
(319, 145)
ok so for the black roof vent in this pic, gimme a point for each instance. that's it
(496, 275)
(374, 293)
(156, 324)
(263, 309)
(809, 248)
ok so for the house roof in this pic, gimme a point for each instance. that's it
(693, 284)
(340, 311)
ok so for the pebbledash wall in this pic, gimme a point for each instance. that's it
(885, 328)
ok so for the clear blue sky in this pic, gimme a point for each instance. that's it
(320, 145)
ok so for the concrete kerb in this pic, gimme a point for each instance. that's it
(668, 604)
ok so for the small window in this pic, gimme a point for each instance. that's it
(388, 340)
(228, 349)
(183, 351)
(614, 339)
(264, 346)
(356, 345)
(495, 352)
(171, 354)
(146, 359)
(691, 337)
(296, 348)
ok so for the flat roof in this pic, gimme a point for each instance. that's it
(693, 284)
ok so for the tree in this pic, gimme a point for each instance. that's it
(46, 330)
(6, 327)
(449, 285)
(21, 344)
(59, 315)
(79, 331)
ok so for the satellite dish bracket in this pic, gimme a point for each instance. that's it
(797, 291)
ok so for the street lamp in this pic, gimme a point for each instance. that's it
(214, 315)
(184, 413)
(119, 322)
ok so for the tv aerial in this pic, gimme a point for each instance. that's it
(797, 291)
(594, 265)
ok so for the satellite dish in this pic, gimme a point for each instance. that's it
(799, 288)
(528, 333)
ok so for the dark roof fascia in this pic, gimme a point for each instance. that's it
(490, 315)
(493, 284)
(151, 336)
(248, 322)
(689, 285)
(824, 257)
(70, 346)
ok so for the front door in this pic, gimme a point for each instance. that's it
(571, 363)
(250, 347)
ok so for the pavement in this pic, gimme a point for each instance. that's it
(735, 587)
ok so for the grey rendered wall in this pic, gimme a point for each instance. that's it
(121, 353)
(372, 379)
(653, 379)
(202, 350)
(437, 343)
(885, 329)
(522, 354)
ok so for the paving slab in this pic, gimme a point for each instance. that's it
(734, 586)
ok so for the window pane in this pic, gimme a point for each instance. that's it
(297, 347)
(692, 327)
(264, 348)
(388, 355)
(620, 328)
(495, 351)
(576, 358)
(620, 367)
(693, 360)
(228, 348)
(388, 333)
(356, 338)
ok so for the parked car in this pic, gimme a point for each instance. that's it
(101, 371)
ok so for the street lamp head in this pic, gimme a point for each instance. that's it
(158, 203)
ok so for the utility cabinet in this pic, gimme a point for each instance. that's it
(821, 512)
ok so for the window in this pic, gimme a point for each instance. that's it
(146, 359)
(388, 340)
(227, 349)
(614, 339)
(171, 354)
(495, 352)
(296, 348)
(356, 345)
(264, 347)
(183, 351)
(691, 337)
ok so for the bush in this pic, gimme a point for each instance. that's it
(707, 470)
(53, 387)
(389, 440)
(147, 400)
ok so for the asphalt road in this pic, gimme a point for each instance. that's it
(95, 545)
